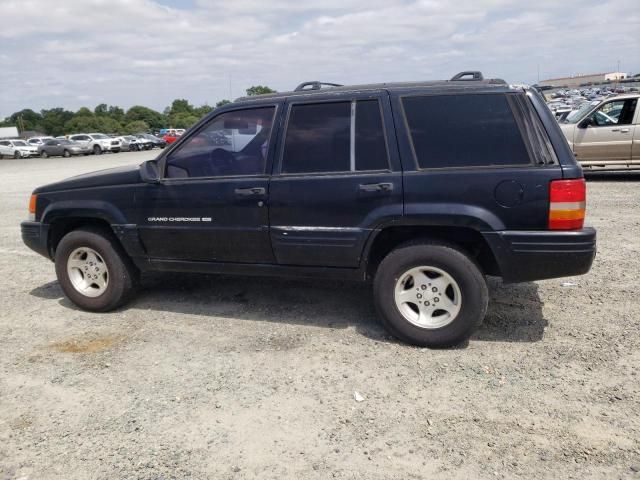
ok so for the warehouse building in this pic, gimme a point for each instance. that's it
(583, 79)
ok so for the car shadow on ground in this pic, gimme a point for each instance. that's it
(514, 315)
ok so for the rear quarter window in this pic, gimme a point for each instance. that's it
(471, 130)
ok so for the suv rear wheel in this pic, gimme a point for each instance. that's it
(97, 150)
(93, 270)
(430, 294)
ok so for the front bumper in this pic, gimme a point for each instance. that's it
(524, 256)
(35, 236)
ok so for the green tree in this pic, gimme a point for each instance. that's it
(101, 110)
(82, 123)
(137, 126)
(183, 120)
(150, 117)
(54, 119)
(84, 112)
(108, 125)
(202, 111)
(116, 113)
(26, 119)
(259, 90)
(180, 105)
(222, 103)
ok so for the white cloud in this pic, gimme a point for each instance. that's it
(72, 52)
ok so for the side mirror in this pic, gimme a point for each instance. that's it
(149, 171)
(587, 122)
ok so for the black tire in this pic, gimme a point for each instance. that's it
(123, 275)
(97, 150)
(44, 154)
(465, 272)
(66, 154)
(16, 155)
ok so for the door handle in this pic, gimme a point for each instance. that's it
(624, 130)
(247, 192)
(376, 187)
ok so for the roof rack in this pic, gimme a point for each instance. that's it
(315, 86)
(469, 75)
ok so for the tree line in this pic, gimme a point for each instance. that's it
(112, 119)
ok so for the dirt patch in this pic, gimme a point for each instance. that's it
(93, 345)
(21, 423)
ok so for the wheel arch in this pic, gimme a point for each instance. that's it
(467, 239)
(63, 217)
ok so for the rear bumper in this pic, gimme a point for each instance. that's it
(35, 236)
(525, 256)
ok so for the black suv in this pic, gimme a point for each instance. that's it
(423, 188)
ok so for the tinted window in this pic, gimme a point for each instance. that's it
(233, 143)
(464, 130)
(318, 138)
(371, 148)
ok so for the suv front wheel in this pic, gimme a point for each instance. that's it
(430, 294)
(93, 270)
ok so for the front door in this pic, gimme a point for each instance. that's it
(607, 134)
(211, 204)
(338, 178)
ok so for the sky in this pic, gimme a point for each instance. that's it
(74, 53)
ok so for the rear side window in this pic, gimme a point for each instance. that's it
(335, 137)
(464, 131)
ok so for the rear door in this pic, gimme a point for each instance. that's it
(83, 139)
(471, 160)
(337, 178)
(609, 136)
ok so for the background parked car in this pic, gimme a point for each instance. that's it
(16, 149)
(170, 137)
(37, 141)
(98, 142)
(603, 135)
(128, 143)
(143, 143)
(64, 148)
(155, 141)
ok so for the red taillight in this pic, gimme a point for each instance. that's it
(567, 201)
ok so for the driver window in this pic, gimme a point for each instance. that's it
(233, 143)
(619, 112)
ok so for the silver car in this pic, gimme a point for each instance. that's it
(606, 134)
(62, 148)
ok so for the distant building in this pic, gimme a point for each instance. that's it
(583, 79)
(8, 132)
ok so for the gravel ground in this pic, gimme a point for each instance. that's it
(219, 377)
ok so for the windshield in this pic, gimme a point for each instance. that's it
(19, 143)
(575, 117)
(99, 136)
(66, 142)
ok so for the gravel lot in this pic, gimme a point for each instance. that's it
(220, 377)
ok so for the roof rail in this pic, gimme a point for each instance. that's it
(475, 76)
(314, 86)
